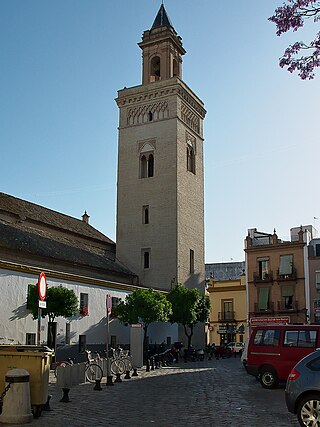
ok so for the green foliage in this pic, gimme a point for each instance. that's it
(60, 302)
(188, 308)
(144, 306)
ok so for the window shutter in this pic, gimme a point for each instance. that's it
(263, 298)
(285, 264)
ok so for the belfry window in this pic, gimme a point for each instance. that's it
(155, 68)
(175, 68)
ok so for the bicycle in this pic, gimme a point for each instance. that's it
(63, 363)
(93, 371)
(121, 361)
(117, 365)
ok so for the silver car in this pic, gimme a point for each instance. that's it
(303, 390)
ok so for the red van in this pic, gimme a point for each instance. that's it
(273, 350)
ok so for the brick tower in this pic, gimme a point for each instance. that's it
(160, 194)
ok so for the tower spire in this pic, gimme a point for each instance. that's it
(162, 19)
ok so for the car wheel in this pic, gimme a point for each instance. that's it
(268, 378)
(308, 412)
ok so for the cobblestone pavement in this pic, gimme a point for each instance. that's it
(214, 393)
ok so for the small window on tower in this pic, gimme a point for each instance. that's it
(191, 261)
(150, 116)
(191, 158)
(146, 258)
(145, 215)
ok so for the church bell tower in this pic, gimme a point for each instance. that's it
(160, 186)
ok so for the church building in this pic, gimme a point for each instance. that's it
(160, 215)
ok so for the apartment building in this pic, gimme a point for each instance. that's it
(226, 287)
(277, 277)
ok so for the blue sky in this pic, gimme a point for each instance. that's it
(62, 63)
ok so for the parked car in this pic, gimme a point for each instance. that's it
(303, 390)
(236, 346)
(273, 350)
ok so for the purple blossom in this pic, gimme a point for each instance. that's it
(292, 15)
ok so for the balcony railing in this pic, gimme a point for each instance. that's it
(285, 307)
(258, 310)
(285, 277)
(265, 277)
(226, 316)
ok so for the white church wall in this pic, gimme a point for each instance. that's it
(16, 321)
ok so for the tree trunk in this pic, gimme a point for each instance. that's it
(52, 337)
(189, 336)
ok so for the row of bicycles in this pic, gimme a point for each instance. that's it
(120, 362)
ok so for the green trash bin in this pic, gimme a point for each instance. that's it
(36, 360)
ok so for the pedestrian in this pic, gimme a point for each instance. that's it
(217, 353)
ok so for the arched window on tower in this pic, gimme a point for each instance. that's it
(147, 161)
(143, 166)
(145, 215)
(150, 165)
(155, 69)
(191, 158)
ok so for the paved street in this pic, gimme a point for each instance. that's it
(210, 393)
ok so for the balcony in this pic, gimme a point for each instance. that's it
(287, 277)
(226, 316)
(265, 277)
(283, 307)
(269, 310)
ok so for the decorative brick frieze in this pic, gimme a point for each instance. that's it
(148, 112)
(192, 102)
(190, 118)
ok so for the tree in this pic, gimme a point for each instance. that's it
(60, 302)
(144, 306)
(188, 308)
(293, 15)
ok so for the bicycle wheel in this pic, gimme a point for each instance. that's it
(62, 364)
(128, 363)
(93, 373)
(118, 366)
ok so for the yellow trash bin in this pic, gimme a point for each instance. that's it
(34, 359)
